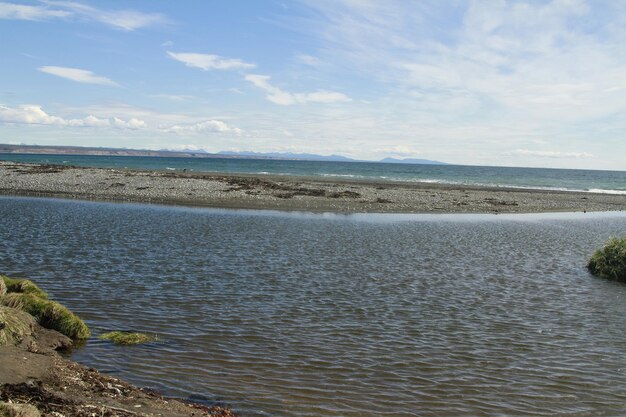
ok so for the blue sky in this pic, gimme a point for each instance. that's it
(517, 83)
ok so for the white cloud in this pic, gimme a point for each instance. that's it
(93, 121)
(208, 61)
(284, 98)
(132, 124)
(78, 75)
(549, 154)
(31, 114)
(22, 12)
(127, 20)
(205, 126)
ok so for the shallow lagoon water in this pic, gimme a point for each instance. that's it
(292, 314)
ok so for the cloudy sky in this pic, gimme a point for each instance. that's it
(518, 83)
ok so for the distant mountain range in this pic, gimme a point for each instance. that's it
(412, 161)
(288, 155)
(195, 153)
(314, 157)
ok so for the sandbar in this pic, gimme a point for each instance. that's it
(275, 192)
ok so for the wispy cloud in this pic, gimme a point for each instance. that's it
(285, 98)
(308, 60)
(78, 75)
(173, 97)
(31, 114)
(127, 20)
(23, 12)
(209, 62)
(549, 154)
(468, 81)
(530, 61)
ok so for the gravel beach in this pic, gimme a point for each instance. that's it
(287, 193)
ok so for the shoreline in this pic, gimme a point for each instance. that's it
(53, 385)
(288, 193)
(37, 378)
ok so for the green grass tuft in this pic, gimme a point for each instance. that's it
(49, 314)
(15, 325)
(24, 286)
(127, 338)
(610, 261)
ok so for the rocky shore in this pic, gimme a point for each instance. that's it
(286, 193)
(36, 381)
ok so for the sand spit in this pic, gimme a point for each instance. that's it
(287, 193)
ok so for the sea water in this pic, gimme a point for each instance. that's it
(295, 314)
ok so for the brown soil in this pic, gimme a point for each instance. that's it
(55, 385)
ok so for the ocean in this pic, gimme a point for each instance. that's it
(317, 315)
(612, 182)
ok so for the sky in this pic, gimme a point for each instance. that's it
(504, 83)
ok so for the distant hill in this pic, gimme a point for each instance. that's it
(314, 157)
(288, 155)
(412, 161)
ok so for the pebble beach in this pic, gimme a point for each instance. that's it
(239, 191)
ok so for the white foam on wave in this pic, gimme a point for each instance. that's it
(601, 191)
(342, 175)
(515, 187)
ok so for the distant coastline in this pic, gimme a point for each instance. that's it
(194, 153)
(548, 179)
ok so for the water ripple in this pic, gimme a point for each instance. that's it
(320, 316)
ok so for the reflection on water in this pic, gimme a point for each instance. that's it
(312, 315)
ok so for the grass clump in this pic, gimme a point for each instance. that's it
(24, 286)
(15, 325)
(49, 314)
(610, 260)
(127, 338)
